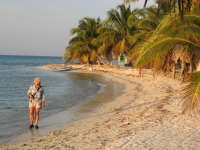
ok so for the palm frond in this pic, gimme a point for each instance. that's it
(161, 47)
(191, 102)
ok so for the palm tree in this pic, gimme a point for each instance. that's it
(120, 26)
(174, 39)
(146, 25)
(162, 45)
(81, 46)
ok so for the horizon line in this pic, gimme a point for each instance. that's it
(28, 55)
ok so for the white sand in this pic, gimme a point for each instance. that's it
(147, 116)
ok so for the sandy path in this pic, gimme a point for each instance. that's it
(147, 116)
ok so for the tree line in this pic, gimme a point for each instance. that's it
(162, 37)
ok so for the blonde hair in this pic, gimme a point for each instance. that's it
(36, 80)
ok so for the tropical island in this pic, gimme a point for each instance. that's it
(157, 50)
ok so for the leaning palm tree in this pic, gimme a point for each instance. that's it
(174, 36)
(165, 39)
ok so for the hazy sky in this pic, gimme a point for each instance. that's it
(41, 27)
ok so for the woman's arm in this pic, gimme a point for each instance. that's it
(29, 93)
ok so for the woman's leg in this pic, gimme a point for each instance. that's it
(31, 114)
(37, 110)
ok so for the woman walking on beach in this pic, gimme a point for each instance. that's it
(36, 101)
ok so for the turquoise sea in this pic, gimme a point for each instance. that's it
(63, 90)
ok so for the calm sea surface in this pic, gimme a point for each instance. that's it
(63, 90)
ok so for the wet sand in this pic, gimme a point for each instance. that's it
(147, 115)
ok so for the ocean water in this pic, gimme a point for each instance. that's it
(63, 90)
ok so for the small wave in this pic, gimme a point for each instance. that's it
(8, 107)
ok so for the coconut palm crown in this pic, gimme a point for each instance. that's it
(80, 46)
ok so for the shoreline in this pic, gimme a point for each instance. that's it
(69, 115)
(146, 116)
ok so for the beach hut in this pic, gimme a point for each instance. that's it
(122, 59)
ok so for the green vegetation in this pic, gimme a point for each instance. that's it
(164, 38)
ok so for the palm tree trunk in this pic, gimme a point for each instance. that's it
(145, 3)
(182, 12)
(81, 62)
(174, 70)
(191, 66)
(179, 5)
(189, 5)
(170, 6)
(174, 5)
(140, 73)
(159, 7)
(183, 70)
(181, 8)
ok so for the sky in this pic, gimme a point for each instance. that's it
(42, 27)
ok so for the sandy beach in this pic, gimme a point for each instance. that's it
(146, 116)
